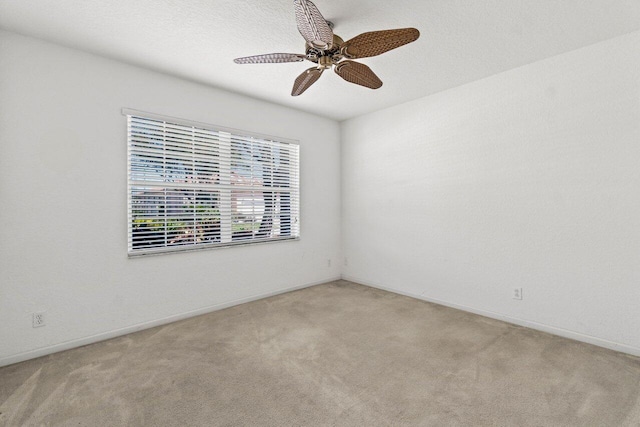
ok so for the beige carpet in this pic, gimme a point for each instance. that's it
(338, 354)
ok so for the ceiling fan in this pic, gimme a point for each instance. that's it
(329, 50)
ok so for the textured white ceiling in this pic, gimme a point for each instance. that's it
(461, 40)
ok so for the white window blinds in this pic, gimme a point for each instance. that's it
(194, 186)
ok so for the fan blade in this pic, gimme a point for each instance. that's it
(312, 25)
(360, 74)
(305, 80)
(377, 42)
(270, 58)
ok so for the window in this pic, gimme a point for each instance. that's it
(195, 186)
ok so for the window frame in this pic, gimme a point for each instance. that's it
(294, 194)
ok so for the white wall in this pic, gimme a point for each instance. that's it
(529, 178)
(63, 248)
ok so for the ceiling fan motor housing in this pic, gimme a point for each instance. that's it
(326, 57)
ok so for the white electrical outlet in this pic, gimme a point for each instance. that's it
(38, 320)
(517, 293)
(328, 263)
(346, 261)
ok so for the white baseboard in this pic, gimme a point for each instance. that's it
(566, 333)
(43, 351)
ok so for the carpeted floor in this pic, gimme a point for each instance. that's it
(338, 354)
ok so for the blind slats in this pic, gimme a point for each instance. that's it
(192, 187)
